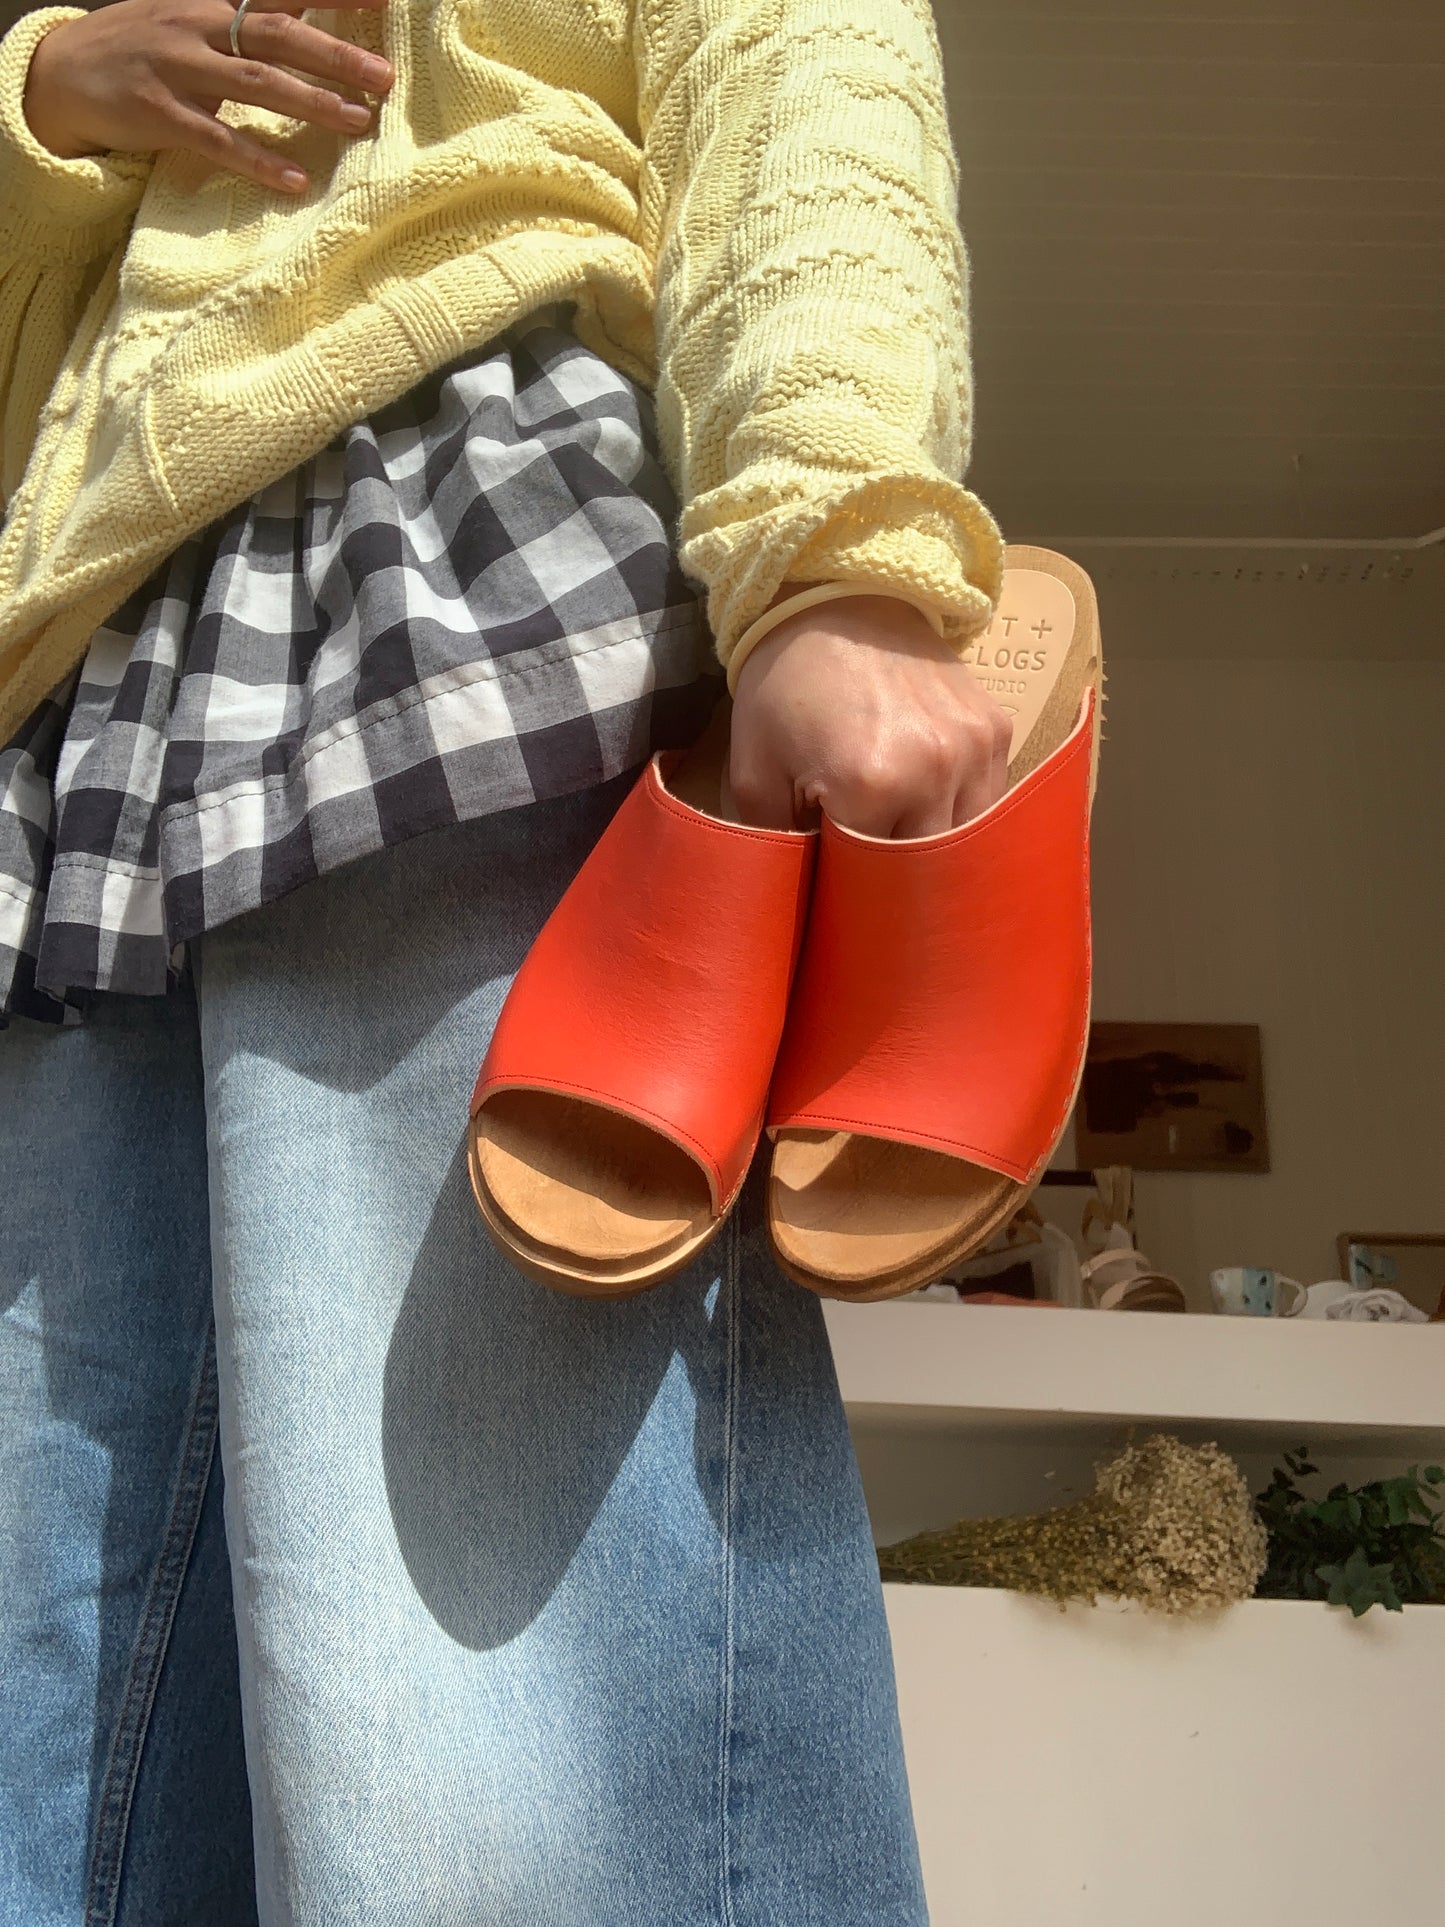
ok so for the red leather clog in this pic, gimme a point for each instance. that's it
(936, 1035)
(622, 1097)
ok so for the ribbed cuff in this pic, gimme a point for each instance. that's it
(48, 206)
(918, 536)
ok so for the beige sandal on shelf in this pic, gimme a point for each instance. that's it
(1122, 1280)
(1119, 1277)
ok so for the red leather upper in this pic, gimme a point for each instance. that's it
(659, 984)
(942, 998)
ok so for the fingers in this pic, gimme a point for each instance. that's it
(875, 803)
(881, 802)
(228, 148)
(279, 39)
(934, 768)
(943, 773)
(929, 818)
(255, 84)
(849, 713)
(273, 42)
(304, 6)
(761, 791)
(985, 777)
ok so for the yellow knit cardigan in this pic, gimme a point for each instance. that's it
(751, 202)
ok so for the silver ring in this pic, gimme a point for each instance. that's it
(240, 15)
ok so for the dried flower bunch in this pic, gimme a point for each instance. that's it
(1169, 1525)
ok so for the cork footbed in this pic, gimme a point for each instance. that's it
(863, 1218)
(585, 1199)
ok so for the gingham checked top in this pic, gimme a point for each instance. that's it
(466, 603)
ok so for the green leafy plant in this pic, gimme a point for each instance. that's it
(1378, 1544)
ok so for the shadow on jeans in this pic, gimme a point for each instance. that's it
(504, 1427)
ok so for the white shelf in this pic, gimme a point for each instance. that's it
(1100, 1767)
(999, 1370)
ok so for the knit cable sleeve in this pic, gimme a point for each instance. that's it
(61, 224)
(799, 193)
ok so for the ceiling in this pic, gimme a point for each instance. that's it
(1208, 248)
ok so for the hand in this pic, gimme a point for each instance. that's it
(857, 710)
(140, 76)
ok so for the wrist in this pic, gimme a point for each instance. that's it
(44, 111)
(796, 599)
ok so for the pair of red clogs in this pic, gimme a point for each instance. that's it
(907, 1018)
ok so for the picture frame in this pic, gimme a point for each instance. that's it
(1410, 1262)
(1173, 1097)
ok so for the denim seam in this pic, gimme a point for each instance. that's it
(112, 1826)
(729, 1507)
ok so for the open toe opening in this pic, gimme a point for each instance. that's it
(861, 1217)
(570, 1176)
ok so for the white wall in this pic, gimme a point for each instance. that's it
(1270, 848)
(1267, 1767)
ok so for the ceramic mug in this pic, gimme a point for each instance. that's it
(1254, 1291)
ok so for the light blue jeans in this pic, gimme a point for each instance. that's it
(549, 1614)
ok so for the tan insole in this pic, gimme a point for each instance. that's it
(575, 1189)
(864, 1218)
(620, 1190)
(874, 1218)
